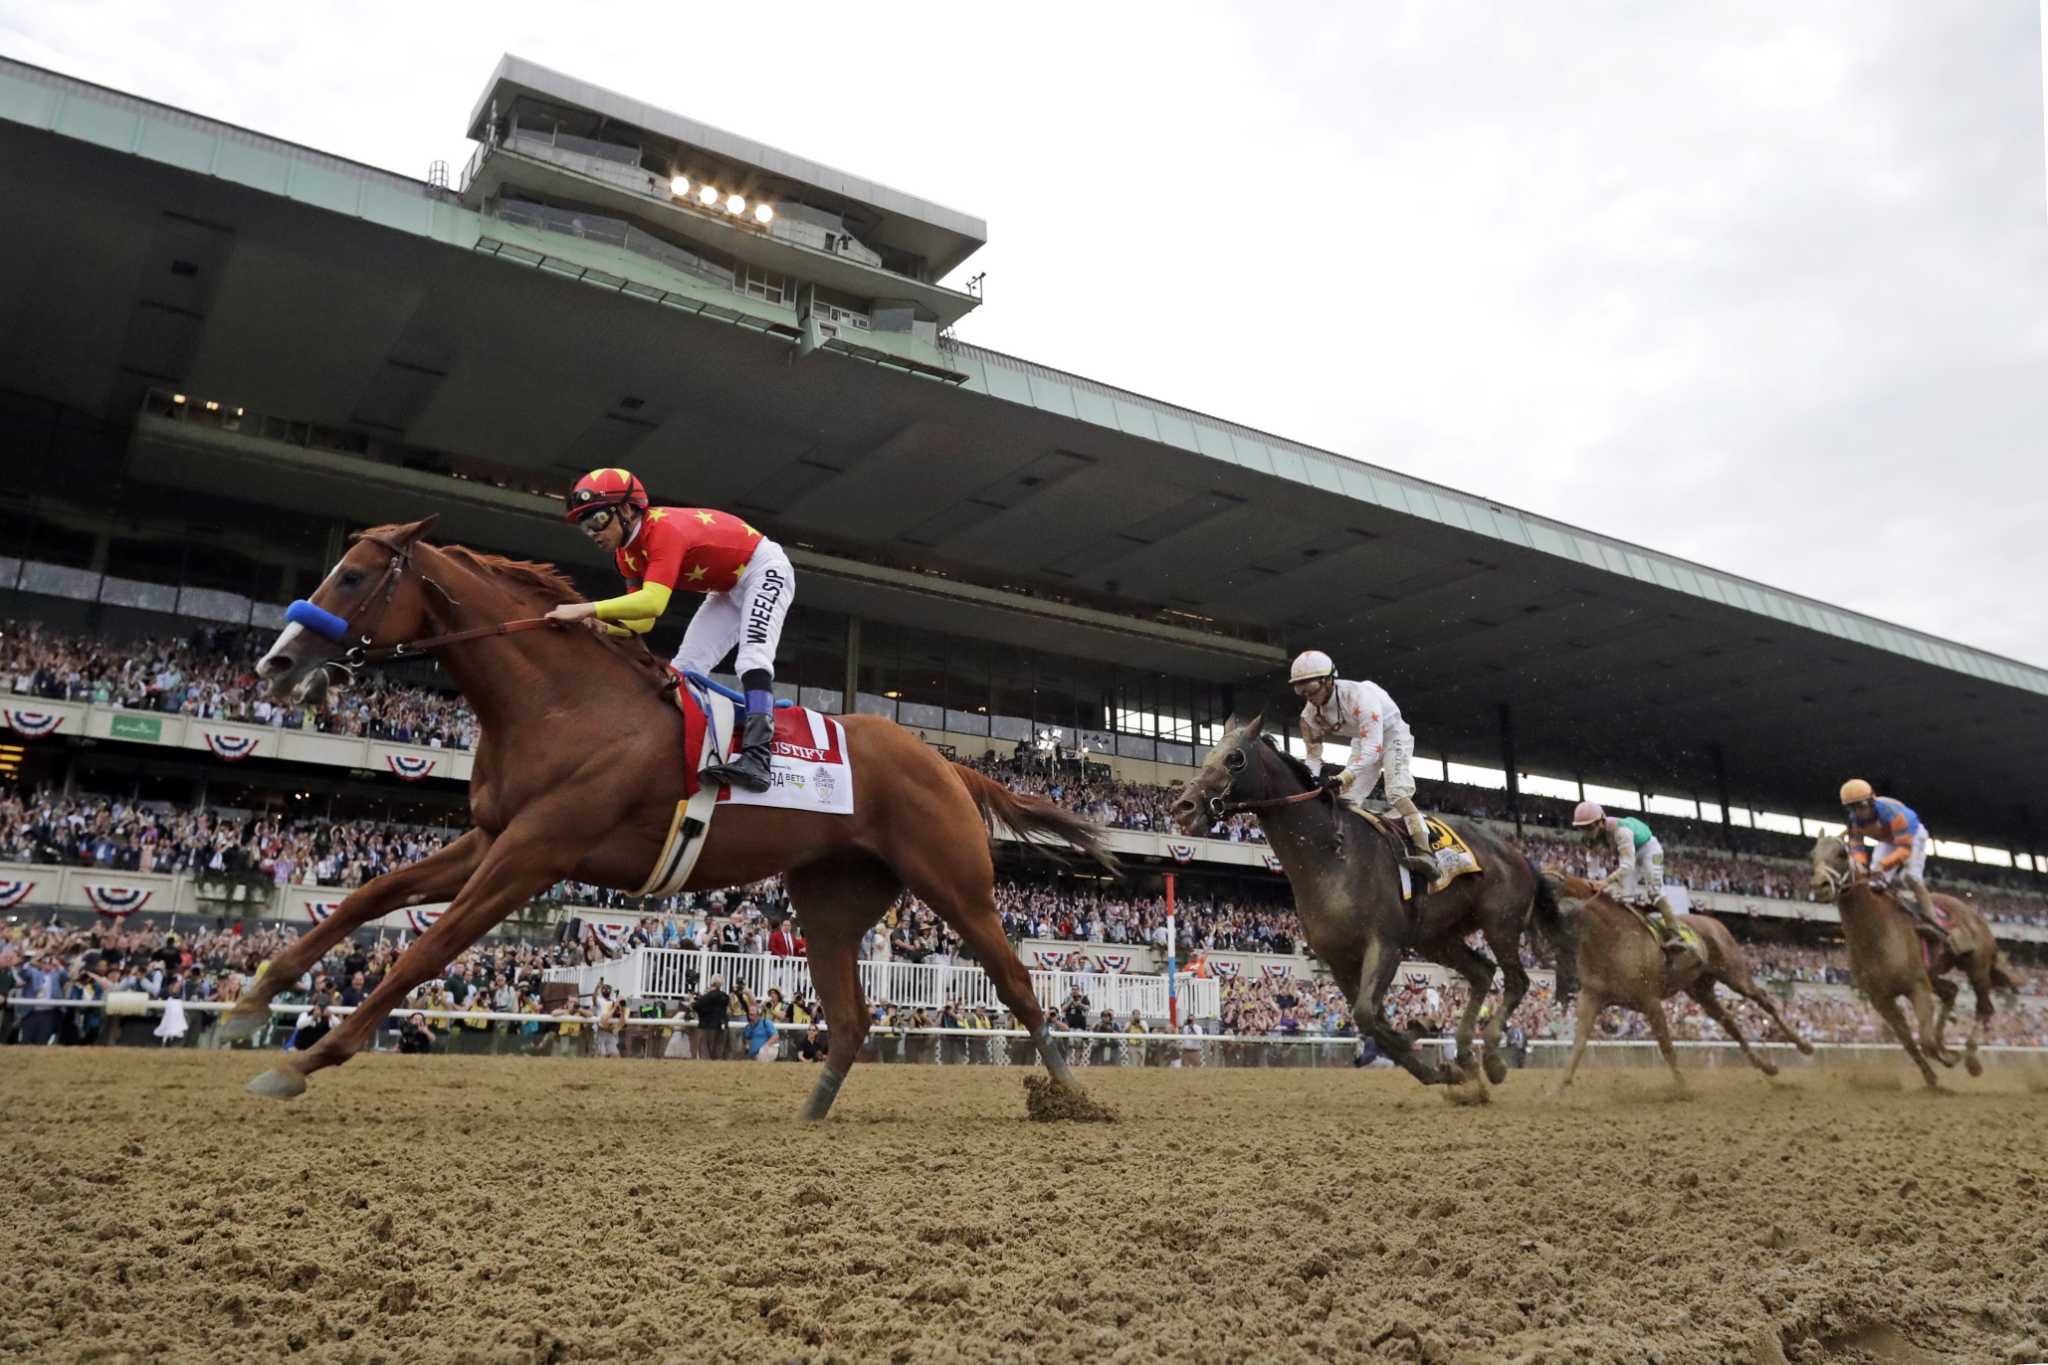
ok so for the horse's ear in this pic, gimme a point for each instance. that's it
(1255, 726)
(417, 530)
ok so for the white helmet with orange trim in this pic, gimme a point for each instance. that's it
(1311, 665)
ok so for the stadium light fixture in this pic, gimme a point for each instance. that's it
(763, 214)
(735, 203)
(679, 186)
(179, 399)
(213, 405)
(708, 196)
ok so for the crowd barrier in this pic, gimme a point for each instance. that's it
(475, 1033)
(671, 973)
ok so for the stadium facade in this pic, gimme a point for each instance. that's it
(222, 352)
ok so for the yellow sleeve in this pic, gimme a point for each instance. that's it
(628, 629)
(649, 601)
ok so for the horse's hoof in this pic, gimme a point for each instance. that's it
(1768, 1068)
(1972, 1065)
(278, 1084)
(1496, 1068)
(1805, 1048)
(240, 1028)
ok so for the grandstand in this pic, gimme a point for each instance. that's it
(228, 352)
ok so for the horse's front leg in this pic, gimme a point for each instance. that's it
(515, 870)
(436, 877)
(1369, 1010)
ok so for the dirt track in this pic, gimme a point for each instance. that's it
(471, 1209)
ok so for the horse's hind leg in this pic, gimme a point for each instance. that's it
(957, 879)
(836, 900)
(1590, 1006)
(1702, 991)
(1477, 969)
(1507, 951)
(1980, 989)
(1756, 995)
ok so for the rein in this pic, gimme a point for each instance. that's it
(363, 653)
(1220, 805)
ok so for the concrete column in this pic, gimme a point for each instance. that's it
(1507, 763)
(1721, 792)
(852, 679)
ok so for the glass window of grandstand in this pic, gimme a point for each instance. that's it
(814, 658)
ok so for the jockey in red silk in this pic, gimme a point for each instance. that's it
(1903, 843)
(745, 579)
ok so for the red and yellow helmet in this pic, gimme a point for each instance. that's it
(602, 488)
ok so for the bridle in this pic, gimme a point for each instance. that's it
(1839, 880)
(365, 652)
(1220, 804)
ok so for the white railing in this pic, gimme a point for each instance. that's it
(668, 974)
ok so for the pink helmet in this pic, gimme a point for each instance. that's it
(1587, 813)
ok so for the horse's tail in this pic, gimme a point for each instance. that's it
(1034, 819)
(1557, 931)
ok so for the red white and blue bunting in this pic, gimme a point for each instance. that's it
(33, 723)
(1226, 970)
(317, 911)
(1277, 971)
(421, 920)
(117, 902)
(610, 935)
(14, 893)
(233, 748)
(1181, 852)
(1113, 962)
(1053, 960)
(1272, 862)
(410, 768)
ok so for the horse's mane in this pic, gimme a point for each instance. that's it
(543, 579)
(1294, 765)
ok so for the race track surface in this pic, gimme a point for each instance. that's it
(448, 1209)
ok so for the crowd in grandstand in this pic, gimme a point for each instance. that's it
(211, 674)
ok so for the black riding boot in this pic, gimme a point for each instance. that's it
(750, 768)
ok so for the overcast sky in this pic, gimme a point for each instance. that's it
(1763, 285)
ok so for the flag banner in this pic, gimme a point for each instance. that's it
(410, 768)
(233, 748)
(33, 723)
(116, 901)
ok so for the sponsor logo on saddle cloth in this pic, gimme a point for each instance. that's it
(808, 769)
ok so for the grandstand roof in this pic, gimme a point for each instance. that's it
(147, 246)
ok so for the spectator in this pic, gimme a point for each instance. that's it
(417, 1036)
(712, 1007)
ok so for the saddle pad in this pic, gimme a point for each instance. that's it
(1454, 857)
(809, 770)
(1687, 935)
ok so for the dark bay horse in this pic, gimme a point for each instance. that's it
(1347, 892)
(1622, 963)
(577, 775)
(1889, 959)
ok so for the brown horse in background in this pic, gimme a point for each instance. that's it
(1622, 963)
(578, 771)
(1889, 959)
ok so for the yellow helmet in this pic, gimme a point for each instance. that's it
(1856, 789)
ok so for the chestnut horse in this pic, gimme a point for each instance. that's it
(1347, 892)
(1889, 959)
(578, 771)
(1622, 963)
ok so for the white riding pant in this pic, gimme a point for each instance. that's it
(749, 614)
(1397, 755)
(1642, 881)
